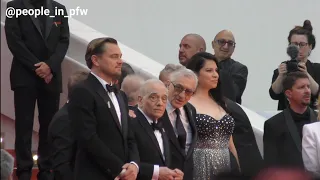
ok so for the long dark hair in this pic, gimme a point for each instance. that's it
(196, 63)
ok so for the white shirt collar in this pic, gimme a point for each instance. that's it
(147, 117)
(103, 82)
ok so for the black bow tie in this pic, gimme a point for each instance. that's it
(111, 88)
(156, 126)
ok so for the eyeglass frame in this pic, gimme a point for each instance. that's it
(225, 42)
(184, 90)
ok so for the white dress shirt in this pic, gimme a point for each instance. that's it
(311, 148)
(184, 118)
(112, 96)
(158, 135)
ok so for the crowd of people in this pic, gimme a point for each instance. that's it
(184, 124)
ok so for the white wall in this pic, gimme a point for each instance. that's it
(155, 29)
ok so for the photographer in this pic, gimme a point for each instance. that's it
(305, 40)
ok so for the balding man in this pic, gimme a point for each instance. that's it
(151, 139)
(168, 69)
(232, 73)
(189, 46)
(130, 86)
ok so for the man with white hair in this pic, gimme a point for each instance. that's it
(151, 139)
(7, 163)
(179, 119)
(168, 69)
(130, 86)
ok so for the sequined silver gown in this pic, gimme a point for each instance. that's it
(211, 155)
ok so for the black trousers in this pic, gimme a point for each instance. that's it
(48, 104)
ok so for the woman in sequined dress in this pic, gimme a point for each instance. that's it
(214, 125)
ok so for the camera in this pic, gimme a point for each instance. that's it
(292, 66)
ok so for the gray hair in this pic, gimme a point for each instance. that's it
(130, 85)
(7, 163)
(169, 68)
(184, 73)
(145, 88)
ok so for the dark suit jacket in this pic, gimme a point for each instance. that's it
(148, 146)
(282, 142)
(233, 77)
(181, 160)
(62, 145)
(245, 142)
(103, 145)
(30, 46)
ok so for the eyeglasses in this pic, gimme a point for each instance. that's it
(222, 42)
(178, 88)
(300, 44)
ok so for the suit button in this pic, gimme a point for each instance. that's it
(108, 171)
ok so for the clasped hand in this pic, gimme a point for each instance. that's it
(44, 71)
(129, 172)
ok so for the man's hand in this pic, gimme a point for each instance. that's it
(167, 174)
(129, 172)
(132, 114)
(48, 78)
(179, 174)
(282, 69)
(43, 69)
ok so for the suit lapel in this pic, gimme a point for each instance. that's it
(166, 148)
(170, 131)
(49, 20)
(292, 129)
(35, 20)
(124, 115)
(192, 124)
(147, 127)
(104, 95)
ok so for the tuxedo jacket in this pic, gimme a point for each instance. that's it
(250, 159)
(311, 148)
(148, 146)
(63, 146)
(282, 142)
(103, 145)
(180, 159)
(29, 45)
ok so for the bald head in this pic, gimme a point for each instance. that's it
(189, 46)
(130, 86)
(223, 45)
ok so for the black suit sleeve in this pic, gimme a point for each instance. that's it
(62, 143)
(146, 171)
(132, 145)
(273, 95)
(81, 112)
(54, 62)
(269, 145)
(237, 80)
(15, 42)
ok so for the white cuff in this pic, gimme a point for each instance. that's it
(132, 162)
(156, 170)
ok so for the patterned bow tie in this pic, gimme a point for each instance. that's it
(111, 88)
(156, 126)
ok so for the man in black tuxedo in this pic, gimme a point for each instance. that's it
(152, 141)
(39, 46)
(105, 143)
(283, 132)
(179, 120)
(61, 138)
